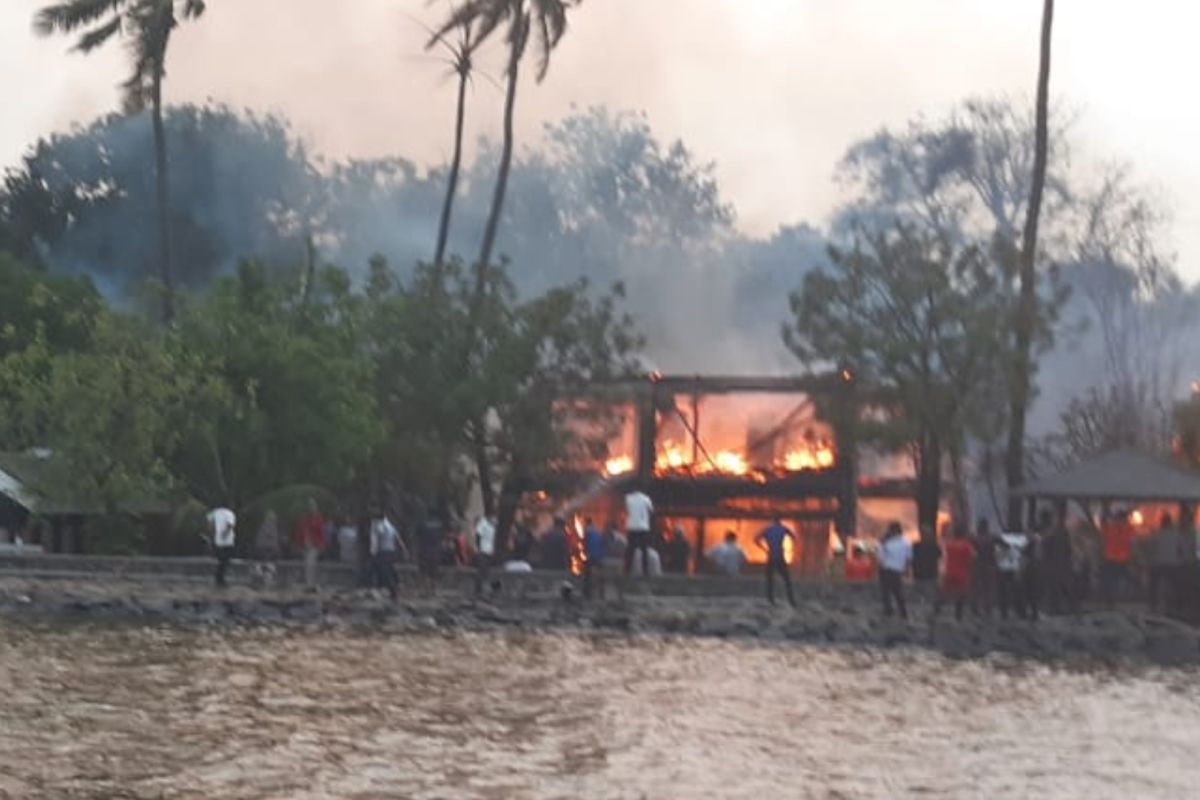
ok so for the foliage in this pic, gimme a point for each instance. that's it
(531, 354)
(1187, 429)
(292, 398)
(148, 24)
(240, 187)
(919, 321)
(115, 415)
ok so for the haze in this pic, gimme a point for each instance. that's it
(771, 90)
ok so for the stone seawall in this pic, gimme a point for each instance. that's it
(828, 614)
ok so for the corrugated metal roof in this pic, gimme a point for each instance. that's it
(1119, 475)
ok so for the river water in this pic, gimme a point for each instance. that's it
(153, 713)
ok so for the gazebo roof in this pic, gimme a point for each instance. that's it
(1119, 475)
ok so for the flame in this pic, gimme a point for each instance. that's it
(619, 465)
(675, 457)
(819, 457)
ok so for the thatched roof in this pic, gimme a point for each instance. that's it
(1119, 475)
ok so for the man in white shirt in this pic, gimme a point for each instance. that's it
(895, 554)
(221, 526)
(485, 550)
(728, 558)
(385, 544)
(638, 510)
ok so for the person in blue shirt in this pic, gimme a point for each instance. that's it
(771, 539)
(595, 550)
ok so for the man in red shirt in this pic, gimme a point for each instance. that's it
(310, 538)
(956, 576)
(1116, 539)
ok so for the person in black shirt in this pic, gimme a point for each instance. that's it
(927, 554)
(554, 551)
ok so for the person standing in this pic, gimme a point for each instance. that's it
(983, 571)
(1163, 552)
(638, 510)
(1058, 567)
(595, 552)
(386, 544)
(1116, 550)
(222, 524)
(771, 539)
(679, 551)
(1032, 569)
(614, 544)
(1008, 574)
(485, 550)
(429, 552)
(554, 547)
(267, 548)
(956, 579)
(895, 555)
(926, 559)
(728, 558)
(310, 538)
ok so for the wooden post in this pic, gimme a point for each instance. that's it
(701, 545)
(647, 410)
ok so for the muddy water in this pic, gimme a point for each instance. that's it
(168, 713)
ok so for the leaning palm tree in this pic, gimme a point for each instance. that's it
(1026, 312)
(462, 54)
(147, 26)
(548, 18)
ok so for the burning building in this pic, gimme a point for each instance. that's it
(724, 454)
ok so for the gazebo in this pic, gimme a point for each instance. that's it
(1119, 476)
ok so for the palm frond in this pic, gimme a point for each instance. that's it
(68, 16)
(97, 36)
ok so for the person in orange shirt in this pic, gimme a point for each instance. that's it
(1116, 550)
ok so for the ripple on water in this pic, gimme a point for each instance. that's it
(89, 712)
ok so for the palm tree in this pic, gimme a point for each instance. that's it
(548, 18)
(462, 54)
(147, 25)
(1026, 316)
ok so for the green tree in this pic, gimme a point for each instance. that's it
(148, 24)
(116, 415)
(919, 320)
(292, 400)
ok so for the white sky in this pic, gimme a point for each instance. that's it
(772, 90)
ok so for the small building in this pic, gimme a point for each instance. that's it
(55, 521)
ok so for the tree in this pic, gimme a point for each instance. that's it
(918, 320)
(292, 400)
(149, 25)
(1025, 322)
(1187, 429)
(546, 18)
(462, 51)
(241, 187)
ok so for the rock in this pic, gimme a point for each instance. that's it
(1172, 649)
(304, 611)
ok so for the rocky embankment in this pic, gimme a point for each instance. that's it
(852, 620)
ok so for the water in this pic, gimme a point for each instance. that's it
(142, 713)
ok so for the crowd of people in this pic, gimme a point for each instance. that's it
(986, 573)
(1049, 568)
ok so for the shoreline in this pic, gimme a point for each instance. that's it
(1097, 639)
